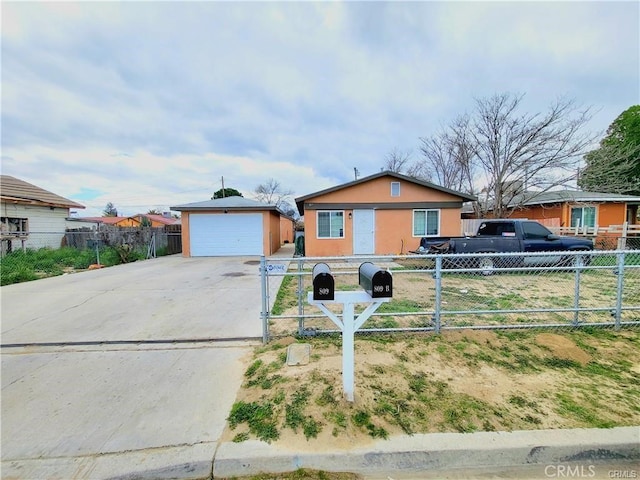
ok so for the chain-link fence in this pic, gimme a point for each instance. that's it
(479, 291)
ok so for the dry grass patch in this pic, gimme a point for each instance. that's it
(463, 381)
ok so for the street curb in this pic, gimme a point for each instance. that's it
(437, 451)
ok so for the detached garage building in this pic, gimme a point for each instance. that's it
(232, 226)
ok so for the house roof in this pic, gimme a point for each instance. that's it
(159, 218)
(105, 220)
(561, 196)
(18, 191)
(228, 203)
(300, 200)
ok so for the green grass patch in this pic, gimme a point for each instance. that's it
(568, 405)
(286, 296)
(23, 266)
(259, 416)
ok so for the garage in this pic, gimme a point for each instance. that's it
(215, 235)
(232, 226)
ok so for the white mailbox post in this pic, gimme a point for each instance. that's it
(348, 325)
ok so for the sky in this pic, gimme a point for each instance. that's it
(151, 104)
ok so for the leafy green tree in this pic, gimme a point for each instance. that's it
(614, 167)
(226, 192)
(154, 211)
(110, 210)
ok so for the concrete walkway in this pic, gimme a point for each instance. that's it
(128, 370)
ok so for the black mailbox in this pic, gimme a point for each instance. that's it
(376, 282)
(323, 283)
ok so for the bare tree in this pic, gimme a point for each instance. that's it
(449, 157)
(272, 192)
(506, 155)
(397, 160)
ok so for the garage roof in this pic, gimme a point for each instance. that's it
(227, 203)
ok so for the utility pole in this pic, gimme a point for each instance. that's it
(223, 187)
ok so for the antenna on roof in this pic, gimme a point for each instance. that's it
(356, 172)
(223, 187)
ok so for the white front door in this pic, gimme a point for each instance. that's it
(363, 232)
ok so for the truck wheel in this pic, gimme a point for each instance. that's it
(486, 265)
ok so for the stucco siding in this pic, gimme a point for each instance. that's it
(271, 221)
(611, 214)
(379, 190)
(286, 229)
(540, 213)
(271, 238)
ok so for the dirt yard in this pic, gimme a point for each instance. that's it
(461, 381)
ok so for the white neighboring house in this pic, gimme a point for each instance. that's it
(30, 216)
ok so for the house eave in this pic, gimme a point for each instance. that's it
(38, 203)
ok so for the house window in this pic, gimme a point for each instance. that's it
(426, 223)
(583, 216)
(331, 224)
(395, 189)
(10, 225)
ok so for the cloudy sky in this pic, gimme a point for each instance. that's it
(150, 104)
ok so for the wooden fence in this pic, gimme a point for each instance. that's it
(168, 237)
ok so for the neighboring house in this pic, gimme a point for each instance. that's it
(157, 220)
(385, 213)
(133, 221)
(231, 226)
(580, 209)
(117, 221)
(31, 216)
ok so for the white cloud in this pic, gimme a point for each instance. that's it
(299, 91)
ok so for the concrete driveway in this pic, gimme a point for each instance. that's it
(94, 384)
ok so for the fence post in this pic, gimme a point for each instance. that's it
(300, 291)
(438, 299)
(265, 302)
(576, 298)
(620, 271)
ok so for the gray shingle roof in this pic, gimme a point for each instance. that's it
(227, 203)
(560, 196)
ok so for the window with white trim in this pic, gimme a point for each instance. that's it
(330, 224)
(583, 216)
(395, 189)
(426, 223)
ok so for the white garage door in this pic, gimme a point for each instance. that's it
(213, 235)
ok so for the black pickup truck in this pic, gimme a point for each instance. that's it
(506, 236)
